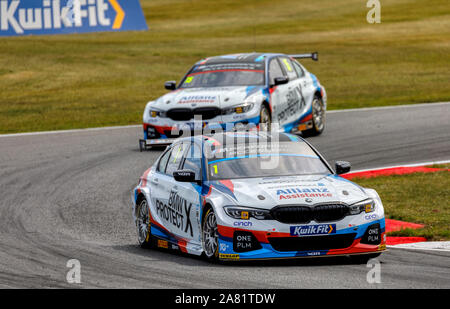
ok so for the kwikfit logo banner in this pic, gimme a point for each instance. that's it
(37, 17)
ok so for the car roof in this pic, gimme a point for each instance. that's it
(238, 58)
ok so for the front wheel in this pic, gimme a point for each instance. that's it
(143, 224)
(318, 117)
(210, 236)
(265, 120)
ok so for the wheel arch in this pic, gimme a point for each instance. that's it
(205, 208)
(139, 198)
(266, 104)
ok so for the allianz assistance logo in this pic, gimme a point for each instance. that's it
(19, 17)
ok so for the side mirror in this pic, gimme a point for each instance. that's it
(184, 176)
(281, 80)
(342, 167)
(171, 85)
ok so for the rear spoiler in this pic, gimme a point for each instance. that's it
(314, 56)
(145, 144)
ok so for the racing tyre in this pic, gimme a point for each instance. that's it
(318, 117)
(363, 258)
(143, 225)
(265, 119)
(210, 236)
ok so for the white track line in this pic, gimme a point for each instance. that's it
(402, 165)
(69, 131)
(137, 126)
(443, 246)
(385, 107)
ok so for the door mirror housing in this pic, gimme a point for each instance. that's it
(184, 176)
(170, 85)
(342, 167)
(281, 80)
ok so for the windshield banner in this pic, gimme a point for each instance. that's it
(40, 17)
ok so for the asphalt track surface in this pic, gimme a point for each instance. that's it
(67, 196)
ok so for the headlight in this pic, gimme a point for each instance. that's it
(366, 206)
(245, 213)
(157, 113)
(239, 109)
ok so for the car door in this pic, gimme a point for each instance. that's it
(279, 93)
(177, 206)
(295, 100)
(158, 194)
(188, 194)
(306, 86)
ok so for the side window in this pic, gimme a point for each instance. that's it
(274, 71)
(298, 69)
(193, 160)
(163, 162)
(175, 158)
(289, 68)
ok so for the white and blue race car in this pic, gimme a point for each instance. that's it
(255, 195)
(250, 89)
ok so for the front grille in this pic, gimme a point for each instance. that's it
(305, 214)
(293, 214)
(180, 133)
(312, 242)
(332, 212)
(185, 114)
(181, 114)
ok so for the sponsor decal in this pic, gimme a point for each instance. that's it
(176, 212)
(381, 247)
(314, 253)
(372, 236)
(163, 244)
(225, 256)
(244, 215)
(197, 99)
(223, 247)
(293, 193)
(245, 241)
(370, 217)
(305, 230)
(242, 224)
(24, 17)
(294, 103)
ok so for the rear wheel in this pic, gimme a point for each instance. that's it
(318, 117)
(210, 236)
(143, 224)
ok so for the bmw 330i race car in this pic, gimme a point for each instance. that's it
(250, 89)
(255, 195)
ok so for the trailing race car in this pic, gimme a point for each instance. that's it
(255, 195)
(254, 88)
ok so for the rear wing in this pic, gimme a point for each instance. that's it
(145, 144)
(314, 56)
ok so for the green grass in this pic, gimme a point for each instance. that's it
(90, 80)
(443, 166)
(418, 198)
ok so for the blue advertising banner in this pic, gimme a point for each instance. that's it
(38, 17)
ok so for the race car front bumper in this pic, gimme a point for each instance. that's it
(245, 244)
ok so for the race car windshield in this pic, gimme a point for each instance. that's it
(225, 75)
(290, 159)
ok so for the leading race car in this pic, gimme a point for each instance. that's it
(255, 88)
(255, 195)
